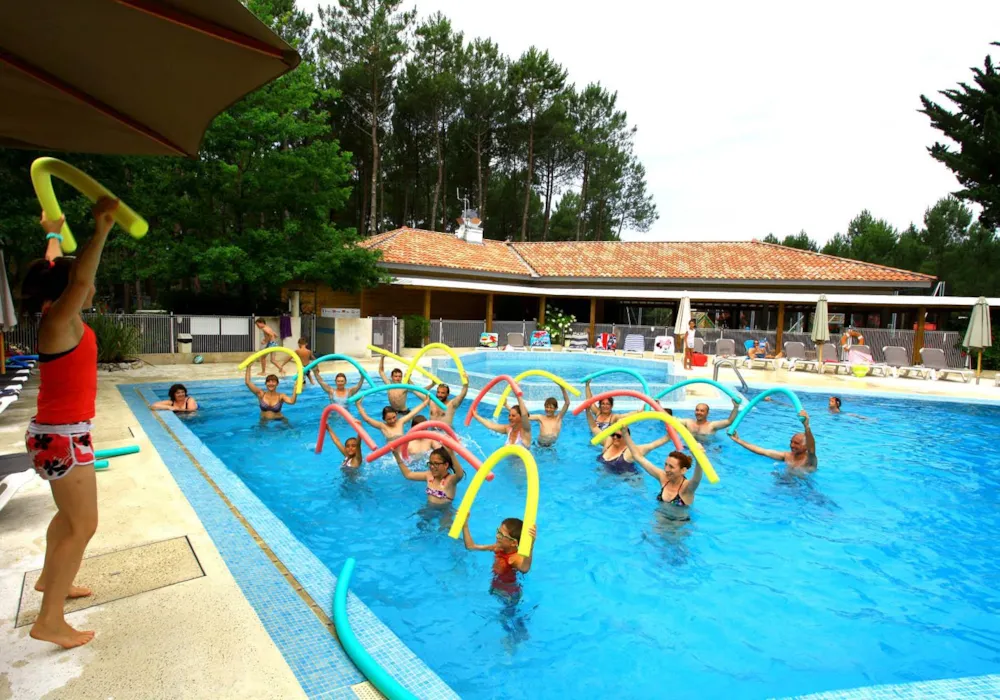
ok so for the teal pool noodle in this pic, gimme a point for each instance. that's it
(345, 358)
(760, 397)
(116, 452)
(386, 684)
(697, 380)
(409, 387)
(101, 464)
(620, 370)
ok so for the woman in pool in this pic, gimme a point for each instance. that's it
(415, 449)
(618, 456)
(338, 393)
(391, 425)
(58, 437)
(600, 416)
(518, 427)
(675, 489)
(442, 476)
(350, 448)
(179, 401)
(270, 401)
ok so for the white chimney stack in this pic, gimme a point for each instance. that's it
(469, 228)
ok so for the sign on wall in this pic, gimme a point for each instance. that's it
(327, 312)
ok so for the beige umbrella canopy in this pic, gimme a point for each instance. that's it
(979, 335)
(821, 326)
(128, 77)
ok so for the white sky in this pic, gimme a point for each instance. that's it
(758, 117)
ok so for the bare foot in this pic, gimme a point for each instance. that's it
(260, 374)
(63, 635)
(74, 591)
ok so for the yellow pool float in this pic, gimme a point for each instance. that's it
(267, 351)
(689, 440)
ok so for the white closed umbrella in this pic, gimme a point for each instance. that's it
(683, 317)
(979, 335)
(8, 317)
(821, 327)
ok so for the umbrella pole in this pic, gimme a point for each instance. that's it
(979, 365)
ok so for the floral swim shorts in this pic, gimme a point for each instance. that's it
(56, 449)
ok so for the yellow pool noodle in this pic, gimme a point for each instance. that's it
(42, 172)
(267, 351)
(435, 346)
(533, 373)
(686, 436)
(530, 503)
(397, 358)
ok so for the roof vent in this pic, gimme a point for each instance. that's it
(469, 228)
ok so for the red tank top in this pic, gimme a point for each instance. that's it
(67, 389)
(502, 568)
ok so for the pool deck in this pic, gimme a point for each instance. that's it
(202, 637)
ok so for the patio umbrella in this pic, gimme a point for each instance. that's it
(683, 316)
(128, 77)
(821, 326)
(979, 334)
(8, 317)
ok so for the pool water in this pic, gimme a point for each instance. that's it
(882, 567)
(570, 366)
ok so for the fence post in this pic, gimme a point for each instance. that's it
(524, 329)
(395, 335)
(918, 337)
(170, 330)
(441, 330)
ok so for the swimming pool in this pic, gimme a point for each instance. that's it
(880, 568)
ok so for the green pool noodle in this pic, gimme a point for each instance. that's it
(116, 452)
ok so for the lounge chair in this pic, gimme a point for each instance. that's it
(635, 344)
(15, 472)
(699, 345)
(578, 342)
(541, 341)
(605, 344)
(862, 355)
(936, 363)
(830, 360)
(515, 341)
(897, 358)
(663, 347)
(488, 341)
(795, 357)
(724, 347)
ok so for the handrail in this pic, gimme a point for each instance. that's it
(729, 363)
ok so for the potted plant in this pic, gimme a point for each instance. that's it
(558, 324)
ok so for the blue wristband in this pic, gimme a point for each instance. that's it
(57, 236)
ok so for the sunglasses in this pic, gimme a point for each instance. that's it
(438, 463)
(504, 535)
(616, 436)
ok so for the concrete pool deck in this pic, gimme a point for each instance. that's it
(201, 636)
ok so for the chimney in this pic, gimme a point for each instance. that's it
(469, 228)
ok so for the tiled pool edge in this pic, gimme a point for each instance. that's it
(314, 655)
(950, 689)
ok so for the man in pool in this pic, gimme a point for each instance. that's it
(834, 404)
(443, 392)
(551, 422)
(701, 425)
(397, 397)
(801, 453)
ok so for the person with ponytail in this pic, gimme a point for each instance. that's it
(58, 437)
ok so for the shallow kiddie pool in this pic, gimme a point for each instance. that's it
(882, 567)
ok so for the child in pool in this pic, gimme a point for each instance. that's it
(338, 393)
(506, 561)
(551, 423)
(415, 449)
(350, 448)
(391, 425)
(442, 476)
(305, 355)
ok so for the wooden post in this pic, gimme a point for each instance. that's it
(541, 309)
(781, 327)
(918, 337)
(427, 314)
(489, 312)
(593, 320)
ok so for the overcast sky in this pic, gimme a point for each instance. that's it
(758, 117)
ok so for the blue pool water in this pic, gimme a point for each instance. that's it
(570, 366)
(882, 567)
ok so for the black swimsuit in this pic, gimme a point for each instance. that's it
(676, 500)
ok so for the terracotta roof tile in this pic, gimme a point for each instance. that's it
(411, 246)
(732, 260)
(735, 260)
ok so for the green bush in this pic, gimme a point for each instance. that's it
(116, 341)
(415, 329)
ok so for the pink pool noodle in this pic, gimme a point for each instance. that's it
(485, 390)
(351, 420)
(452, 444)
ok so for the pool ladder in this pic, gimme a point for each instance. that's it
(730, 363)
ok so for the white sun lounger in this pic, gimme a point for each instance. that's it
(867, 359)
(516, 341)
(896, 358)
(725, 348)
(830, 360)
(795, 357)
(15, 472)
(578, 342)
(635, 344)
(937, 365)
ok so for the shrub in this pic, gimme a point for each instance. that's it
(558, 324)
(415, 329)
(116, 341)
